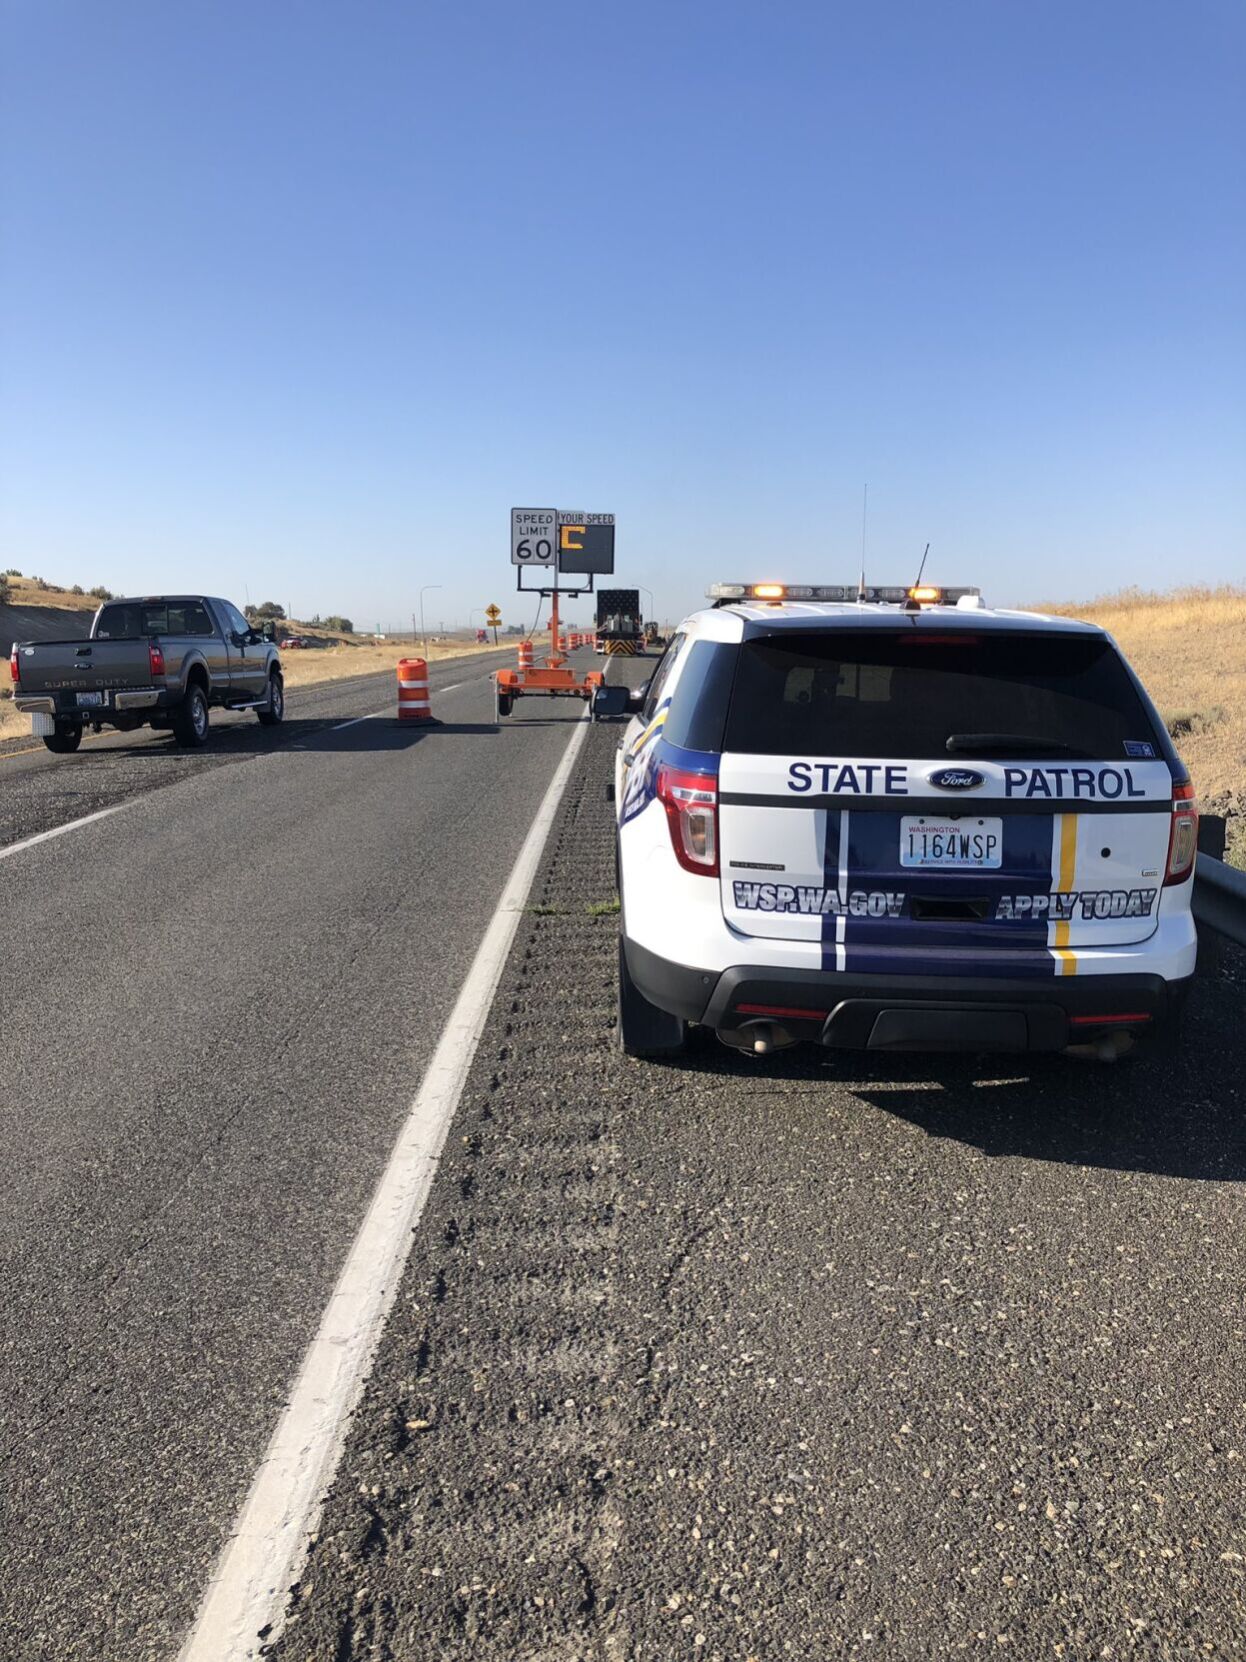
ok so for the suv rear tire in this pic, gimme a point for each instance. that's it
(271, 713)
(66, 739)
(190, 721)
(643, 1029)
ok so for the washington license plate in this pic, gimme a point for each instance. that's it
(967, 844)
(90, 701)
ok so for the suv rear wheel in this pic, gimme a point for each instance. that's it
(190, 724)
(643, 1029)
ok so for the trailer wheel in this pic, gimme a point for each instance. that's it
(506, 703)
(66, 739)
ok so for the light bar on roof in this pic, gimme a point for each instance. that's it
(927, 595)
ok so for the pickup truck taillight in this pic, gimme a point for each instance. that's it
(13, 664)
(157, 659)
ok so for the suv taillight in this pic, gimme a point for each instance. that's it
(691, 803)
(156, 658)
(13, 663)
(1183, 834)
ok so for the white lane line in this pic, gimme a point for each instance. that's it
(343, 725)
(264, 1554)
(60, 830)
(388, 710)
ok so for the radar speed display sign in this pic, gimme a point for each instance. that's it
(534, 536)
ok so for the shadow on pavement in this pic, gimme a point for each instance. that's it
(1168, 1111)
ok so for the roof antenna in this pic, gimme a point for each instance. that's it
(865, 502)
(910, 603)
(921, 568)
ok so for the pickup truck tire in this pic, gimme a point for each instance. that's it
(190, 720)
(271, 713)
(66, 739)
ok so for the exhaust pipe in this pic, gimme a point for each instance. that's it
(1110, 1048)
(757, 1038)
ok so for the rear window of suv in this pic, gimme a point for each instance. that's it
(907, 694)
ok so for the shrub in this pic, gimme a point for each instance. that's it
(77, 589)
(100, 592)
(4, 588)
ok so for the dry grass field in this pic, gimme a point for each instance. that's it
(1189, 648)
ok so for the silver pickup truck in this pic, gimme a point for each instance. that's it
(160, 662)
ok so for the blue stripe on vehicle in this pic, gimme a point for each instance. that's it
(830, 880)
(906, 945)
(641, 784)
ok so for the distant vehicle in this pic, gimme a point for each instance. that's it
(292, 643)
(820, 839)
(619, 621)
(482, 637)
(161, 662)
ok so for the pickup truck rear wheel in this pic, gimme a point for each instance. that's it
(190, 723)
(272, 712)
(66, 739)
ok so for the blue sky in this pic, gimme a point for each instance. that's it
(300, 298)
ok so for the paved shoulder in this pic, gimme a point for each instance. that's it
(815, 1357)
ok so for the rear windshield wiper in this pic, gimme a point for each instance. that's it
(977, 744)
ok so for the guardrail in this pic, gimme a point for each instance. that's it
(1219, 900)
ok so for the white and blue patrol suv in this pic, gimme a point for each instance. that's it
(896, 819)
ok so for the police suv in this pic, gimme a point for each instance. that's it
(896, 819)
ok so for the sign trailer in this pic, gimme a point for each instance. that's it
(557, 542)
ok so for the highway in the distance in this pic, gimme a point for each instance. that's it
(815, 1356)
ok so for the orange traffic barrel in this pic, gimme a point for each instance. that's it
(525, 655)
(413, 690)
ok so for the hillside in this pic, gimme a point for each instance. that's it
(1189, 648)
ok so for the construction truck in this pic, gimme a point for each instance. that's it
(619, 625)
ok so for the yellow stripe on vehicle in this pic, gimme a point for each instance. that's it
(1066, 958)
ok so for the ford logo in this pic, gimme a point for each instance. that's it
(957, 779)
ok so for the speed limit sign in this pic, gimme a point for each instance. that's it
(534, 536)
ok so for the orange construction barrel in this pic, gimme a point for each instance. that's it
(413, 690)
(525, 655)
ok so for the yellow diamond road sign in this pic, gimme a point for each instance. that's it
(494, 614)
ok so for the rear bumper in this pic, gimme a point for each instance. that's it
(64, 705)
(904, 1012)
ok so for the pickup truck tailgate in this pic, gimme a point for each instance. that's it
(68, 668)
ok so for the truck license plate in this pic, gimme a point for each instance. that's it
(968, 844)
(90, 701)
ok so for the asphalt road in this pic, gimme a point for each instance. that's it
(39, 790)
(803, 1357)
(216, 1007)
(807, 1357)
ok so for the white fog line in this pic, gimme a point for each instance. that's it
(60, 830)
(265, 1552)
